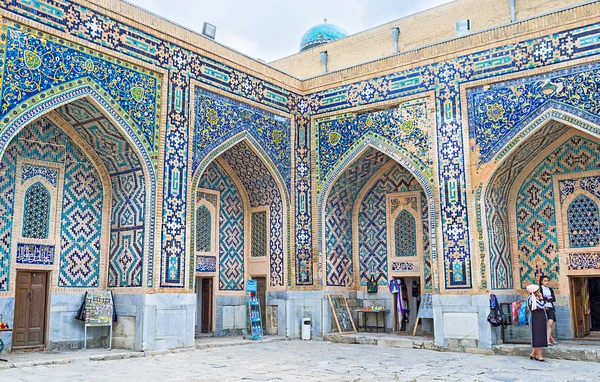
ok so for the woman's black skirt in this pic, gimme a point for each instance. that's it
(538, 324)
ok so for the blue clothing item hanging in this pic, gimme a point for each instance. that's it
(394, 286)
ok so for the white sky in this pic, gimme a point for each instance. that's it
(272, 29)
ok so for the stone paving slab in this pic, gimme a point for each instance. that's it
(312, 361)
(44, 358)
(566, 350)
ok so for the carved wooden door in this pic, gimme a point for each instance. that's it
(577, 306)
(206, 305)
(30, 310)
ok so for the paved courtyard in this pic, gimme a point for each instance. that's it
(312, 361)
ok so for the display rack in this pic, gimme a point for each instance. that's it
(254, 328)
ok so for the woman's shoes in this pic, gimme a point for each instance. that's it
(554, 343)
(538, 359)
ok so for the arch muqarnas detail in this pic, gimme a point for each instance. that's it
(43, 72)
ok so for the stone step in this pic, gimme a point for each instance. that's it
(567, 352)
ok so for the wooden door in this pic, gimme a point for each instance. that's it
(261, 293)
(206, 326)
(30, 310)
(577, 307)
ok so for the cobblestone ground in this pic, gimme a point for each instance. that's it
(312, 361)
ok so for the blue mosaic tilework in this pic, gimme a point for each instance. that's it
(231, 227)
(590, 184)
(583, 261)
(372, 223)
(403, 266)
(338, 216)
(204, 229)
(262, 191)
(36, 254)
(407, 126)
(405, 234)
(218, 118)
(81, 202)
(206, 263)
(129, 191)
(36, 63)
(496, 202)
(426, 210)
(29, 171)
(496, 115)
(445, 78)
(536, 215)
(582, 222)
(36, 212)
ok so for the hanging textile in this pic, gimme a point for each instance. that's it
(585, 296)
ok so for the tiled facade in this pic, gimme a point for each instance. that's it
(180, 138)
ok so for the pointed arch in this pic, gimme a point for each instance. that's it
(545, 130)
(246, 137)
(20, 116)
(396, 153)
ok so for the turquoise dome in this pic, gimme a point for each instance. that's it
(321, 34)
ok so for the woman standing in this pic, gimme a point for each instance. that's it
(549, 299)
(537, 322)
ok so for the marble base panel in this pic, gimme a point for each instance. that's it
(461, 321)
(65, 331)
(7, 310)
(230, 311)
(168, 321)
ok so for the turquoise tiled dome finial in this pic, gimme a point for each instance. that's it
(321, 34)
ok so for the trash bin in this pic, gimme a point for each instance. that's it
(306, 323)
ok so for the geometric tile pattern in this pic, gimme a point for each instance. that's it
(496, 114)
(372, 222)
(36, 212)
(56, 68)
(203, 229)
(231, 227)
(38, 64)
(405, 234)
(259, 234)
(402, 266)
(496, 201)
(81, 202)
(536, 215)
(427, 274)
(128, 215)
(35, 254)
(338, 216)
(262, 191)
(445, 78)
(582, 218)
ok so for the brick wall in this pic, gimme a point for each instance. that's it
(421, 29)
